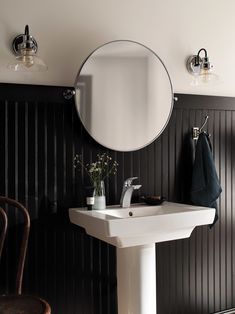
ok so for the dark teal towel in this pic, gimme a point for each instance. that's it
(205, 187)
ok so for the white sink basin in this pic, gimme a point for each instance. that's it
(134, 231)
(142, 224)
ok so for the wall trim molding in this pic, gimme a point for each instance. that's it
(26, 92)
(192, 101)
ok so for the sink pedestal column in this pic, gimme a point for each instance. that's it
(136, 279)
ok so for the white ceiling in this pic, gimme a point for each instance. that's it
(67, 31)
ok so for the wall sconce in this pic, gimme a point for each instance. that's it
(201, 68)
(25, 48)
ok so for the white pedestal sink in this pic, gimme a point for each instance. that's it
(134, 231)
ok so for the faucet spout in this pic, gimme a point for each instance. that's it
(127, 192)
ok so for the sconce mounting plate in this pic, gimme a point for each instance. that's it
(192, 67)
(19, 40)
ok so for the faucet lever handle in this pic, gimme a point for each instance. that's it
(128, 182)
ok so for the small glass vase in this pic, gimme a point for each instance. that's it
(99, 195)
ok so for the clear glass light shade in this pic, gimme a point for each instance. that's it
(28, 62)
(206, 77)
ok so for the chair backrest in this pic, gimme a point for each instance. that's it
(4, 229)
(24, 241)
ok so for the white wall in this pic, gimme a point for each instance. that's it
(67, 31)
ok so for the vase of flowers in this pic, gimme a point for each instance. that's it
(97, 172)
(99, 195)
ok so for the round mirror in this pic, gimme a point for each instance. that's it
(124, 95)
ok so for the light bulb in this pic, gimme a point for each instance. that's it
(28, 62)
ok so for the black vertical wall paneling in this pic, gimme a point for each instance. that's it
(40, 132)
(209, 263)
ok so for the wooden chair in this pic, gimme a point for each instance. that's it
(18, 303)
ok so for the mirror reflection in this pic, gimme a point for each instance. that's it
(124, 95)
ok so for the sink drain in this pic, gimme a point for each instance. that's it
(130, 214)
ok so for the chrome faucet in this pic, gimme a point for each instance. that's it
(127, 191)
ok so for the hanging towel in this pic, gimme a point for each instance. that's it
(205, 187)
